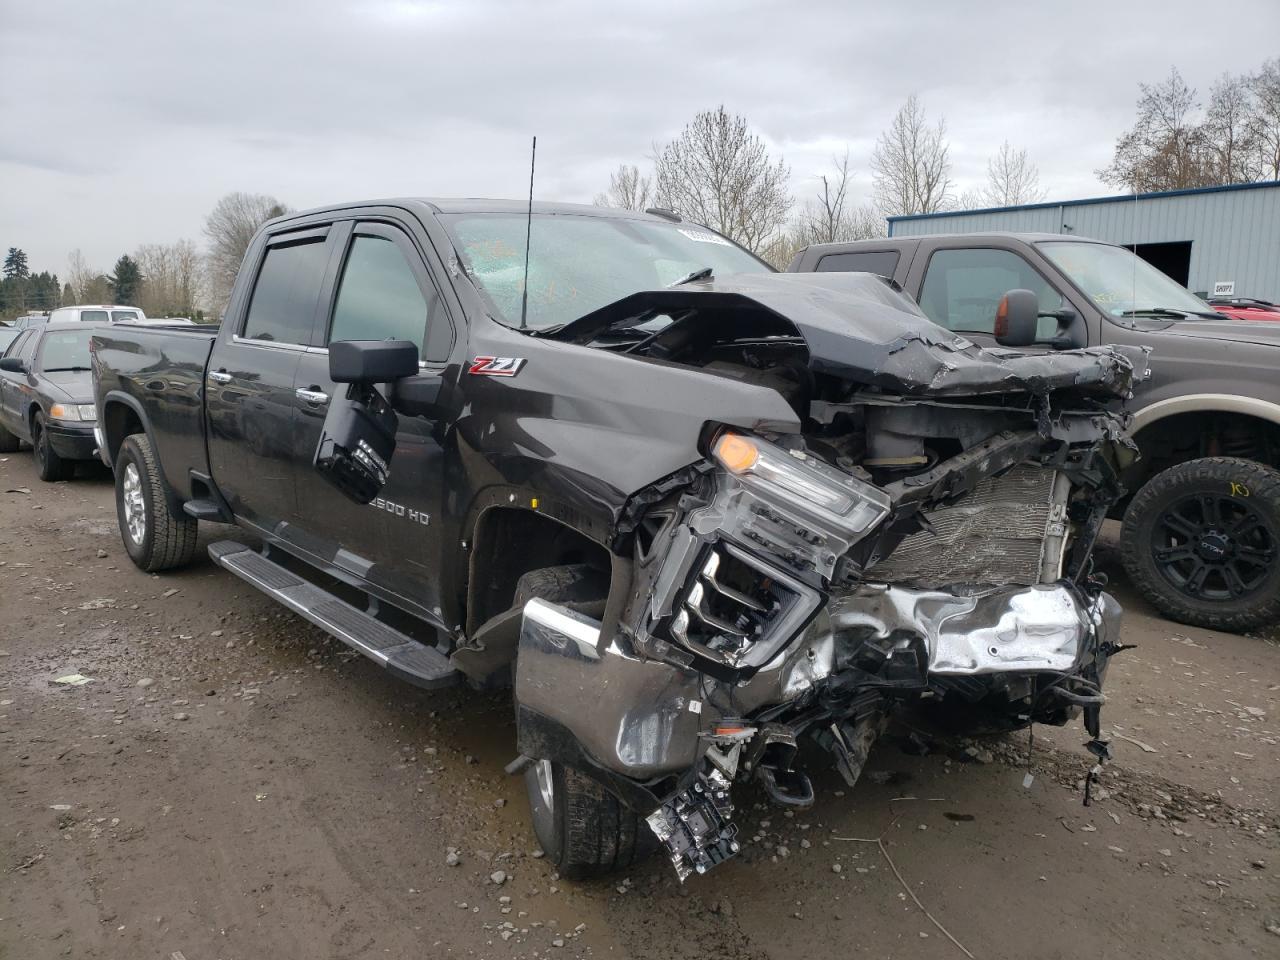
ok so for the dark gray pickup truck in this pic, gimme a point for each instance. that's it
(1201, 535)
(694, 510)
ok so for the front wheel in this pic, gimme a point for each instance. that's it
(1201, 541)
(153, 537)
(49, 465)
(584, 830)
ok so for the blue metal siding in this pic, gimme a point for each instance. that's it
(1234, 233)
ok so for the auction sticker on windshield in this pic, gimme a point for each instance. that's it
(703, 236)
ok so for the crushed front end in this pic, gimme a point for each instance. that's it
(914, 540)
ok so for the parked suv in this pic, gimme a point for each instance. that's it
(1201, 535)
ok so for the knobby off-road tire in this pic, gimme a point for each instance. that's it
(153, 537)
(584, 830)
(1201, 541)
(49, 465)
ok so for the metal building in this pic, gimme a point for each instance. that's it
(1214, 240)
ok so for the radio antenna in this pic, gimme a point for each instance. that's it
(528, 232)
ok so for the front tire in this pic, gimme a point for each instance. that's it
(49, 465)
(1201, 541)
(153, 537)
(584, 829)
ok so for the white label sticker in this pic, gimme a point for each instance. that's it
(1223, 288)
(704, 236)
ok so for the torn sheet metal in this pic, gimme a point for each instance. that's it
(1003, 630)
(859, 328)
(636, 717)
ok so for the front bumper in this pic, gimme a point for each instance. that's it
(72, 441)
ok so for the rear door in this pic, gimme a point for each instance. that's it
(383, 290)
(249, 383)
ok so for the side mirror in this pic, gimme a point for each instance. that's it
(13, 365)
(1017, 319)
(372, 361)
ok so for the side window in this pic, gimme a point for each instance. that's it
(882, 262)
(379, 299)
(28, 349)
(15, 348)
(962, 288)
(283, 305)
(91, 316)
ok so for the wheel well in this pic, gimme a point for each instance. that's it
(1207, 433)
(507, 544)
(119, 420)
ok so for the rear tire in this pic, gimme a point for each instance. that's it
(153, 537)
(50, 466)
(1201, 541)
(584, 829)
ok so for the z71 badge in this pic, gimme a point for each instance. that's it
(496, 366)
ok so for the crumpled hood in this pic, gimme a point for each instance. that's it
(857, 327)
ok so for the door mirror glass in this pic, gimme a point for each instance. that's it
(372, 361)
(1017, 319)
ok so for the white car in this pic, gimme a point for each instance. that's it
(97, 313)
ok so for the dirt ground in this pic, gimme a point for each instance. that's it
(233, 785)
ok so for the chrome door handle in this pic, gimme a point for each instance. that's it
(219, 376)
(311, 396)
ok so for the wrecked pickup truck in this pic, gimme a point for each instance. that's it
(693, 510)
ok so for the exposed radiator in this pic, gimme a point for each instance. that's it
(1010, 530)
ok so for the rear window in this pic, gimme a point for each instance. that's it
(93, 316)
(882, 262)
(284, 298)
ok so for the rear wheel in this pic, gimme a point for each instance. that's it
(50, 466)
(153, 537)
(1201, 541)
(584, 829)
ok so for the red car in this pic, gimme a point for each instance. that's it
(1245, 308)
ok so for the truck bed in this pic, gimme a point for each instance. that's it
(157, 373)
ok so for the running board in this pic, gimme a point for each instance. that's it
(401, 655)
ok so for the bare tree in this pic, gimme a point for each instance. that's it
(910, 167)
(628, 190)
(1265, 119)
(82, 278)
(174, 281)
(719, 173)
(1228, 130)
(829, 216)
(1012, 179)
(1165, 149)
(228, 229)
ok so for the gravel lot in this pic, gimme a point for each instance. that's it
(233, 785)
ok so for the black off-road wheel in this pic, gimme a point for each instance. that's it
(153, 537)
(1201, 541)
(584, 829)
(49, 465)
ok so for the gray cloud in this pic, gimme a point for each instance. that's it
(122, 123)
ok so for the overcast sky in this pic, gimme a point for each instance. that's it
(122, 122)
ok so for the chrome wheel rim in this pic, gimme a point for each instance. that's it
(135, 510)
(546, 787)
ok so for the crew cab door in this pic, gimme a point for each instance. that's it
(382, 289)
(15, 390)
(250, 380)
(959, 286)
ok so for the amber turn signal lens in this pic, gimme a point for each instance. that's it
(58, 411)
(736, 452)
(1002, 318)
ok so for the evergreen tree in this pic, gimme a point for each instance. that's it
(68, 296)
(126, 282)
(15, 264)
